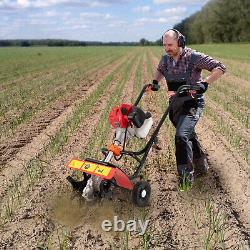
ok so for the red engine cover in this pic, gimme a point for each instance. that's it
(118, 117)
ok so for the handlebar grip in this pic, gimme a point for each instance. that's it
(155, 87)
(184, 88)
(194, 87)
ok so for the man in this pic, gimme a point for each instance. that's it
(182, 65)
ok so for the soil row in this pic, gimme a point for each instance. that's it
(43, 193)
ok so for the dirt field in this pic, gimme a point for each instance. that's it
(55, 106)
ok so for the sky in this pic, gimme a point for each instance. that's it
(97, 20)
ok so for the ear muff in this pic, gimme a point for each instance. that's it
(181, 39)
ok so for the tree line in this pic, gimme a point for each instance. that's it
(40, 42)
(59, 42)
(218, 21)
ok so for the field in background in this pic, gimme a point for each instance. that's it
(54, 104)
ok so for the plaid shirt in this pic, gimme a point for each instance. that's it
(203, 62)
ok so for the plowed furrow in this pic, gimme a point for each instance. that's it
(36, 147)
(43, 120)
(54, 177)
(81, 233)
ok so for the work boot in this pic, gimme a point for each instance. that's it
(201, 166)
(186, 178)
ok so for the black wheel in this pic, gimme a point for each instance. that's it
(141, 193)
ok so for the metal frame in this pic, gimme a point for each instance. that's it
(144, 152)
(146, 149)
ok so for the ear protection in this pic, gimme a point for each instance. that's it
(181, 39)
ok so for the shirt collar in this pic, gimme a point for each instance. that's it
(183, 53)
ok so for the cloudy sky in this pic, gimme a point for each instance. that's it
(97, 20)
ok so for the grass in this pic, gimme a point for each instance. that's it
(64, 239)
(82, 111)
(216, 218)
(19, 62)
(19, 186)
(146, 237)
(215, 223)
(234, 137)
(186, 185)
(237, 52)
(34, 168)
(101, 131)
(212, 224)
(232, 99)
(31, 95)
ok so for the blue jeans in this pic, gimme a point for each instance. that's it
(186, 142)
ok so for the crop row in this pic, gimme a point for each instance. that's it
(21, 62)
(101, 132)
(23, 102)
(55, 146)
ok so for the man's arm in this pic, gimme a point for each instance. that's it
(155, 83)
(214, 75)
(160, 69)
(158, 76)
(216, 68)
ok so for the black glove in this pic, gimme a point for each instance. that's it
(155, 85)
(203, 87)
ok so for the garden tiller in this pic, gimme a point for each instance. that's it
(101, 177)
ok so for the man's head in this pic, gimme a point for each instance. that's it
(173, 41)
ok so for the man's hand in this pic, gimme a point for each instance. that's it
(155, 86)
(203, 87)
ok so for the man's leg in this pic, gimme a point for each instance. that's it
(197, 149)
(199, 157)
(184, 148)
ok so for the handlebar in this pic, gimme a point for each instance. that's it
(181, 89)
(185, 88)
(141, 94)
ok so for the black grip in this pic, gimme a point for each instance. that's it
(185, 88)
(155, 87)
(194, 87)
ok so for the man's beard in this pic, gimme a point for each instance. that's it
(172, 53)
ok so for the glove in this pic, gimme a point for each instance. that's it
(155, 86)
(203, 87)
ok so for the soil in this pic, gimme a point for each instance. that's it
(52, 215)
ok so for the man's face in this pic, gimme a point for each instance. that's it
(171, 46)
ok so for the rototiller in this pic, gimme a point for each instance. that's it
(101, 177)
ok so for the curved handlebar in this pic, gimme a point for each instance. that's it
(141, 94)
(180, 90)
(185, 88)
